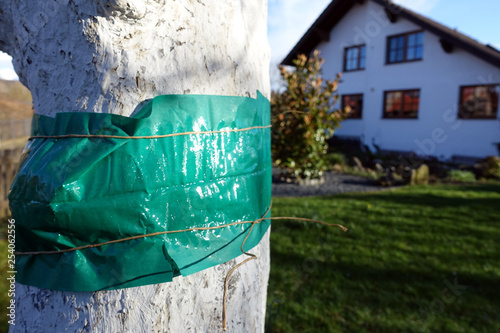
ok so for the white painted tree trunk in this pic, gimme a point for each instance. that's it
(108, 56)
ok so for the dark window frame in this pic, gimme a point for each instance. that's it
(405, 60)
(359, 114)
(402, 91)
(358, 68)
(465, 115)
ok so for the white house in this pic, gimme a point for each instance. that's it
(413, 84)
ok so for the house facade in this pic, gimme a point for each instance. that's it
(413, 85)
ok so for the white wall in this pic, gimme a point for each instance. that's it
(437, 131)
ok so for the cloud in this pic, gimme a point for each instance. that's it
(4, 57)
(6, 70)
(420, 6)
(8, 74)
(288, 20)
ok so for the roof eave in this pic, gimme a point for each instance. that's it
(453, 37)
(338, 8)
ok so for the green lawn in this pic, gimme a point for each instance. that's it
(416, 259)
(402, 266)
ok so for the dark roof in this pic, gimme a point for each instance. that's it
(321, 28)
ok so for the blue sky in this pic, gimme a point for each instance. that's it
(289, 19)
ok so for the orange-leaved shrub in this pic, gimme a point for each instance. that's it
(304, 117)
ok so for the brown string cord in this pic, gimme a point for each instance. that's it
(226, 280)
(130, 238)
(72, 249)
(105, 136)
(253, 256)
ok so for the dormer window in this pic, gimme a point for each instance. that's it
(354, 58)
(405, 47)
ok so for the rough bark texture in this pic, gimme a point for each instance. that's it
(109, 56)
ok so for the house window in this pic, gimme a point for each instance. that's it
(355, 102)
(479, 102)
(355, 58)
(405, 47)
(401, 104)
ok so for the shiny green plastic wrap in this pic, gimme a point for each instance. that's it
(75, 191)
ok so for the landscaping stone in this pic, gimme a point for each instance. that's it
(334, 183)
(337, 168)
(311, 182)
(420, 176)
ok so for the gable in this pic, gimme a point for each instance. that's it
(450, 39)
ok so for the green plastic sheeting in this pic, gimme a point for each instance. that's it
(71, 192)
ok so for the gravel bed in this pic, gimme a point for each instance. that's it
(334, 183)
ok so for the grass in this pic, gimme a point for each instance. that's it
(392, 271)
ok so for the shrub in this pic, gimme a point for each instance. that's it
(462, 176)
(490, 167)
(303, 118)
(336, 158)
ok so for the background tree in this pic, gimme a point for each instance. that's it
(108, 56)
(303, 118)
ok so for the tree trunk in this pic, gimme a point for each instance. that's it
(109, 56)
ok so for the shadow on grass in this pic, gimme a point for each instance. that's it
(392, 299)
(421, 259)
